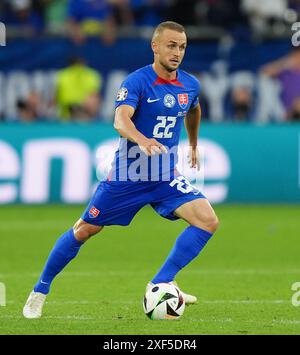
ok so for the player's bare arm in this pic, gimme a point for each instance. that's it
(124, 125)
(192, 125)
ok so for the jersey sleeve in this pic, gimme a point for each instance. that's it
(195, 101)
(130, 92)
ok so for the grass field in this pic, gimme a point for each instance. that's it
(243, 277)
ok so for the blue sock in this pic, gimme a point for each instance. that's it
(64, 250)
(187, 246)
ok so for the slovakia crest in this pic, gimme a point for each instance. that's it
(183, 100)
(93, 212)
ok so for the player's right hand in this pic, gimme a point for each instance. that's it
(151, 146)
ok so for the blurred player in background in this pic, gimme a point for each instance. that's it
(287, 71)
(77, 91)
(151, 106)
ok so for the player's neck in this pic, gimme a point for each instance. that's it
(163, 73)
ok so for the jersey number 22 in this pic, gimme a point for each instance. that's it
(162, 128)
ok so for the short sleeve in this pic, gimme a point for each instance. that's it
(130, 92)
(195, 101)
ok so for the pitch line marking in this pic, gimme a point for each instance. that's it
(77, 302)
(197, 320)
(120, 272)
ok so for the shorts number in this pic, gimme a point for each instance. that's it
(163, 127)
(183, 185)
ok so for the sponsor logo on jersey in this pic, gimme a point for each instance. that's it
(181, 113)
(183, 100)
(152, 100)
(93, 212)
(169, 100)
(122, 94)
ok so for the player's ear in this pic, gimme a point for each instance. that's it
(154, 47)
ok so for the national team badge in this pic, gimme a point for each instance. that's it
(93, 212)
(183, 100)
(169, 100)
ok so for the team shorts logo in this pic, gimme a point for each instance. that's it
(93, 212)
(122, 94)
(169, 101)
(183, 100)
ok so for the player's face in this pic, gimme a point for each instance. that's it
(169, 49)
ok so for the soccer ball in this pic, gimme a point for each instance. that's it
(163, 301)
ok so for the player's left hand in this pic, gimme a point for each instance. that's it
(194, 158)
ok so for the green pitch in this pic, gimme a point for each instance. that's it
(242, 279)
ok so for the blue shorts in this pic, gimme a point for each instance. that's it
(117, 202)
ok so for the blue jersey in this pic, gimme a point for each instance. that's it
(160, 108)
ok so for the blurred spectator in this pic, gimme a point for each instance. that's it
(28, 108)
(2, 10)
(20, 13)
(287, 71)
(226, 14)
(294, 114)
(240, 105)
(55, 14)
(184, 11)
(263, 13)
(148, 12)
(78, 91)
(295, 6)
(241, 100)
(140, 12)
(122, 12)
(91, 18)
(40, 6)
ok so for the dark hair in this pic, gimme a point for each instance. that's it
(75, 59)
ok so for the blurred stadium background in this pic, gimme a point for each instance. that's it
(64, 61)
(59, 73)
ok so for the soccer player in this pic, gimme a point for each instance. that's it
(151, 106)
